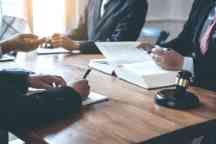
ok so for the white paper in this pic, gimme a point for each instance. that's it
(145, 68)
(52, 51)
(93, 97)
(6, 57)
(123, 52)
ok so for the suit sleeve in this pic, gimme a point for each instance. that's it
(39, 109)
(19, 110)
(13, 81)
(184, 41)
(130, 25)
(89, 47)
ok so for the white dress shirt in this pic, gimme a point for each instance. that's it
(102, 11)
(188, 64)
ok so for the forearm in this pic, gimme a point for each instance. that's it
(7, 46)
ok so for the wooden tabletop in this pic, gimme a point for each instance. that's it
(129, 116)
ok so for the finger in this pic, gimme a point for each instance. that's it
(55, 79)
(57, 39)
(61, 81)
(158, 51)
(155, 57)
(56, 35)
(141, 45)
(28, 36)
(46, 86)
(42, 40)
(57, 44)
(145, 45)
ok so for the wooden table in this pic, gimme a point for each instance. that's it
(129, 116)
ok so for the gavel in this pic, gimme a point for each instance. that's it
(178, 98)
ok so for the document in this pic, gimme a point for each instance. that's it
(122, 52)
(7, 57)
(45, 51)
(132, 64)
(93, 97)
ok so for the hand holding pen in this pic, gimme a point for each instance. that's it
(167, 58)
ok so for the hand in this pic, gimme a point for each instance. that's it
(24, 42)
(59, 40)
(146, 46)
(46, 81)
(82, 87)
(168, 59)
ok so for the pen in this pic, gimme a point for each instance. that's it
(86, 73)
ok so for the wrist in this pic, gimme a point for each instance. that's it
(7, 46)
(75, 45)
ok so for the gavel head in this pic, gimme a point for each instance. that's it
(183, 81)
(178, 98)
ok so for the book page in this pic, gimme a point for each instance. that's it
(102, 65)
(146, 74)
(145, 68)
(123, 52)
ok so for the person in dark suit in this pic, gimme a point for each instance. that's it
(18, 109)
(195, 46)
(105, 20)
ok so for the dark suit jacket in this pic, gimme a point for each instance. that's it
(18, 110)
(122, 21)
(187, 43)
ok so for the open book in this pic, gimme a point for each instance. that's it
(132, 64)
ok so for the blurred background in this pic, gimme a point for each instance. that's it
(45, 17)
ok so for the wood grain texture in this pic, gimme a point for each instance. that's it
(130, 116)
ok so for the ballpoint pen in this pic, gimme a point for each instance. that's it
(87, 73)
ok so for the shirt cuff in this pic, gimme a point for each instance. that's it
(1, 51)
(188, 64)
